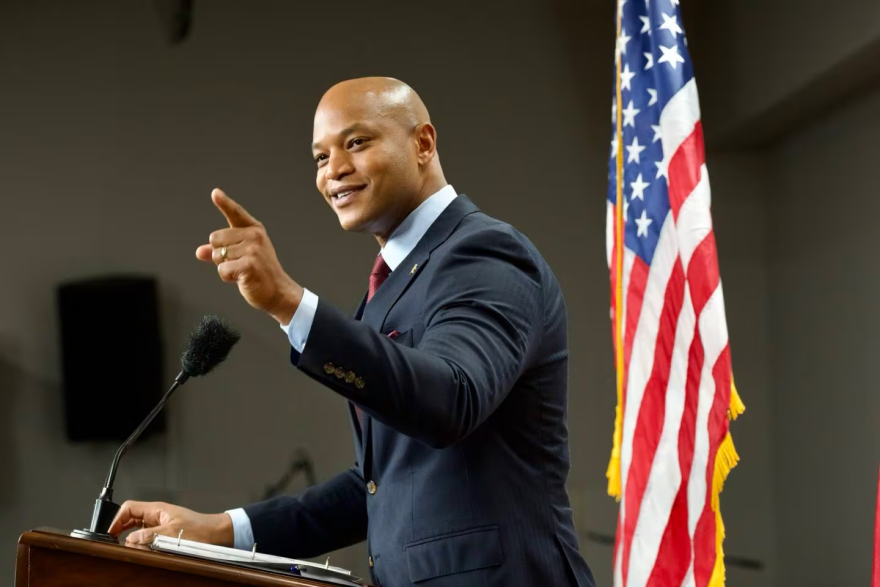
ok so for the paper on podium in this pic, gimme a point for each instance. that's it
(265, 562)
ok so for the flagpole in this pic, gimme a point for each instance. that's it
(613, 473)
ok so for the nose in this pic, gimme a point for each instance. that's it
(339, 165)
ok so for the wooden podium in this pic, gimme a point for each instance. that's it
(52, 558)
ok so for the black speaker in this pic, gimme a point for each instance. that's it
(111, 356)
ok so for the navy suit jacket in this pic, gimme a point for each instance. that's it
(461, 467)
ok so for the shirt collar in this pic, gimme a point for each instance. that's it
(405, 238)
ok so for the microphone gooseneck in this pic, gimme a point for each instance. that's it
(111, 476)
(209, 345)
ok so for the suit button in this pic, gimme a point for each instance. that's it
(359, 382)
(340, 373)
(349, 377)
(371, 487)
(329, 368)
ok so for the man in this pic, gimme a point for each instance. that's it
(455, 366)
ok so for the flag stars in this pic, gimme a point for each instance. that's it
(614, 147)
(626, 77)
(649, 61)
(646, 25)
(643, 223)
(634, 150)
(629, 115)
(670, 56)
(662, 168)
(670, 23)
(638, 188)
(622, 40)
(653, 93)
(625, 210)
(657, 135)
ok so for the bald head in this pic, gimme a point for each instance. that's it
(373, 143)
(381, 97)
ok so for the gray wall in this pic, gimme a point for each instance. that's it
(824, 290)
(111, 140)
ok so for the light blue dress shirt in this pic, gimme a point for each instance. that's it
(402, 242)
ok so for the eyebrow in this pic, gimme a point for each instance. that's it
(346, 131)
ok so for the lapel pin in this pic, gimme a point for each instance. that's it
(413, 270)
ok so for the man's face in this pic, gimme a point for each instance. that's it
(367, 166)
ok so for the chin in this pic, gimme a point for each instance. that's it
(351, 222)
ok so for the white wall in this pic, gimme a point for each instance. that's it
(111, 141)
(825, 288)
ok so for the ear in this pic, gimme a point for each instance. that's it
(426, 143)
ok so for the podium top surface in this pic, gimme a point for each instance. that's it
(59, 540)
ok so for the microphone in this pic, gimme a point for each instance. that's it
(209, 345)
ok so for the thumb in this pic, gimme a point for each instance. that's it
(236, 216)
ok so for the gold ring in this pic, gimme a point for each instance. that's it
(223, 252)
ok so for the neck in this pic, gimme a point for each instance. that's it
(428, 189)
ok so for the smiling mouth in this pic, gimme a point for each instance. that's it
(345, 196)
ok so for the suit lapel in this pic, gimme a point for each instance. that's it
(387, 295)
(389, 292)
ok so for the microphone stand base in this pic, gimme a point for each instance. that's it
(95, 536)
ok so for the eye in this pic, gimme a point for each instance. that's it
(320, 159)
(357, 142)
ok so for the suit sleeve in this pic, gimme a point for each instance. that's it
(482, 319)
(323, 518)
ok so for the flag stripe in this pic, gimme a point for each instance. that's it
(684, 168)
(703, 278)
(679, 117)
(635, 294)
(704, 537)
(714, 337)
(675, 550)
(641, 362)
(665, 474)
(651, 416)
(695, 219)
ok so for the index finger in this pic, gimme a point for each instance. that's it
(236, 215)
(135, 510)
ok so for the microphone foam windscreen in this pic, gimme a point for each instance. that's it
(208, 346)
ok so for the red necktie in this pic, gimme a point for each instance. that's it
(380, 273)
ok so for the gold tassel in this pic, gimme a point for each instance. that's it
(737, 407)
(613, 472)
(719, 573)
(725, 460)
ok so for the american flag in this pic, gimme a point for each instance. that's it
(672, 447)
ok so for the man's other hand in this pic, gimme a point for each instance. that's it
(169, 520)
(244, 255)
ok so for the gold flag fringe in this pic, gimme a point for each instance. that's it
(725, 460)
(613, 472)
(737, 407)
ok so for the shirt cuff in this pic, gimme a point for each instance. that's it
(301, 324)
(241, 527)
